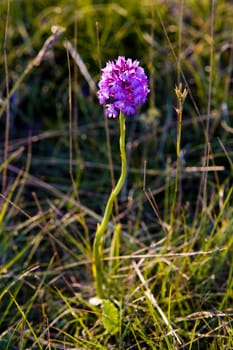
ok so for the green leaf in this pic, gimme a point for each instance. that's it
(110, 317)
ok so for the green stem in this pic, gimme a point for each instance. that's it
(101, 228)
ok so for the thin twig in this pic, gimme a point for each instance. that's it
(7, 126)
(153, 301)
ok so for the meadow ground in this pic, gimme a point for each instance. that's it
(168, 249)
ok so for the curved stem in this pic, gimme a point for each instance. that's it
(101, 228)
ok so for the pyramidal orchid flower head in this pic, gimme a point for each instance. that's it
(122, 87)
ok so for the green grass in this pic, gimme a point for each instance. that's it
(171, 287)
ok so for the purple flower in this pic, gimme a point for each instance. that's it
(123, 86)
